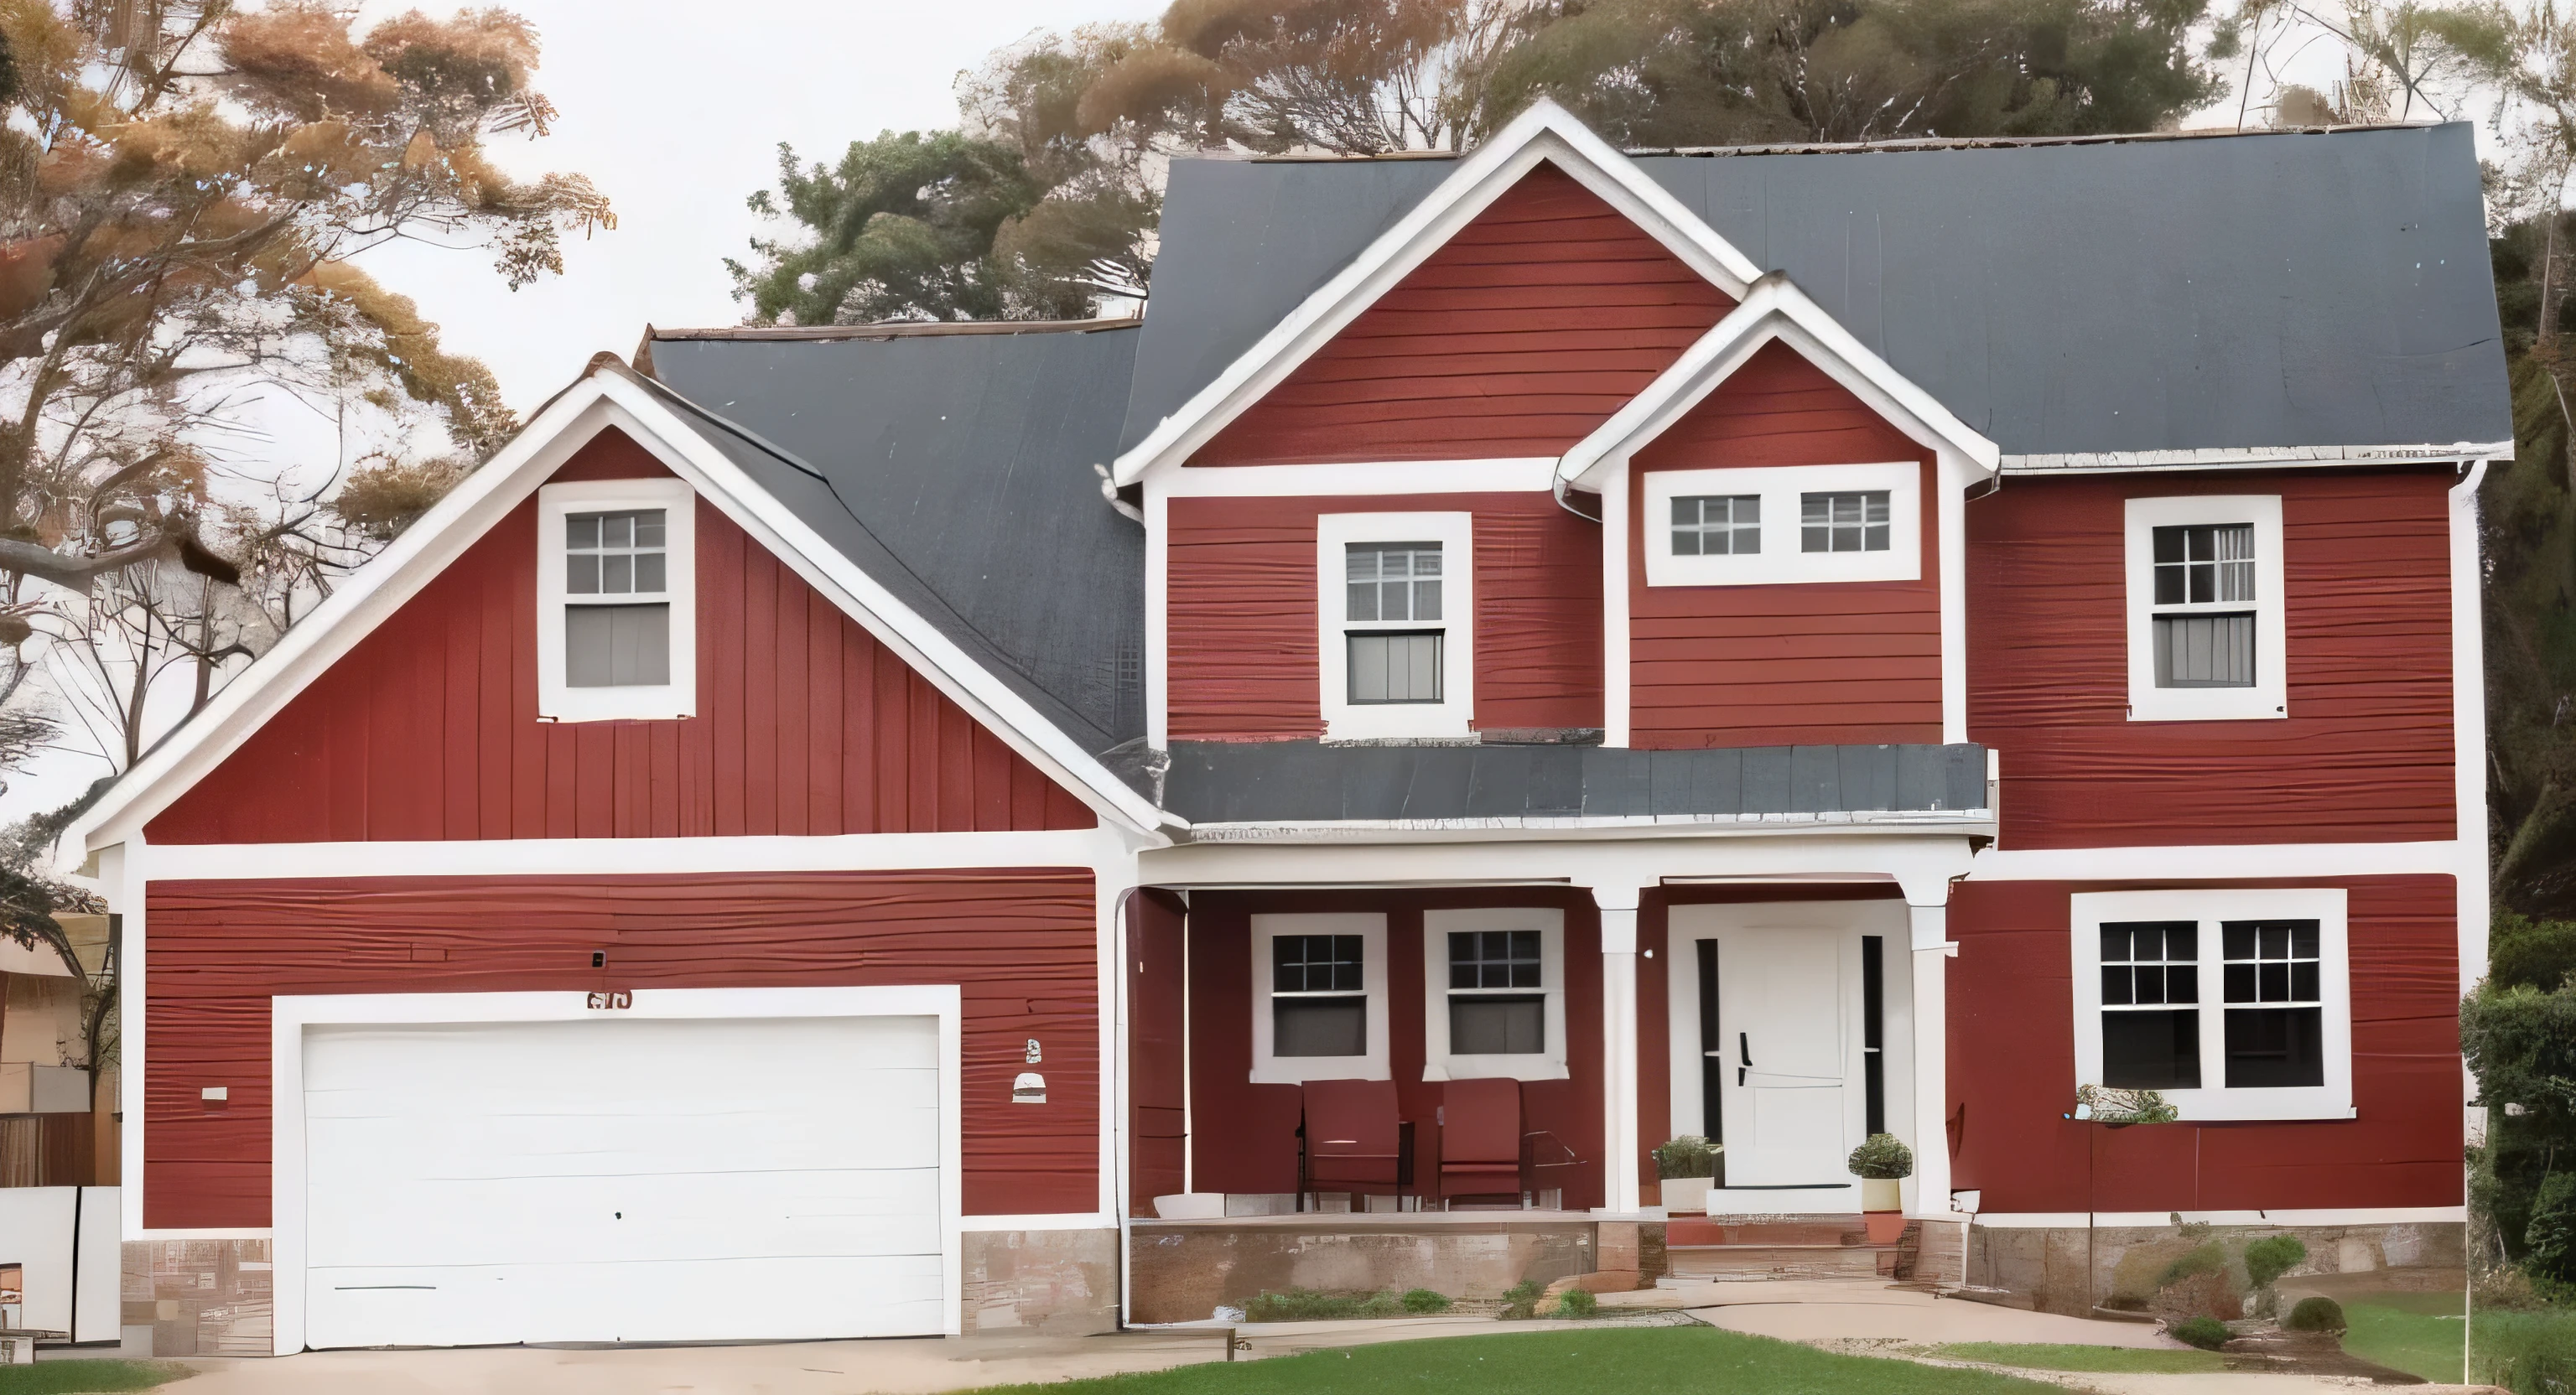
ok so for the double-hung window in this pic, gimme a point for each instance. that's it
(1395, 594)
(1319, 998)
(2233, 1004)
(1494, 1003)
(2205, 612)
(616, 621)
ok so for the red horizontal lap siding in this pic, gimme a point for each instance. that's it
(2365, 752)
(2012, 1071)
(1020, 941)
(1534, 323)
(1845, 663)
(1244, 1136)
(428, 728)
(1242, 597)
(1157, 923)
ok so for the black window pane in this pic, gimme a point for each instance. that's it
(2169, 544)
(1319, 1026)
(2182, 983)
(1315, 964)
(2275, 1048)
(2275, 940)
(2240, 983)
(2151, 1050)
(2151, 983)
(1498, 1024)
(2303, 939)
(2115, 944)
(1525, 973)
(2115, 985)
(2238, 935)
(2276, 983)
(2303, 983)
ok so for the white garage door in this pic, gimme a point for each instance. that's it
(622, 1180)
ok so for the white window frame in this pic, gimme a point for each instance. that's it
(2213, 1102)
(2268, 698)
(558, 701)
(1271, 1069)
(1451, 718)
(1438, 1061)
(1782, 562)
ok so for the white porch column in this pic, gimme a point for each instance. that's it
(1927, 1192)
(1618, 1045)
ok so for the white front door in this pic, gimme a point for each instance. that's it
(1784, 1031)
(622, 1180)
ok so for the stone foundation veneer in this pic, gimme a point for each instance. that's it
(201, 1297)
(1059, 1282)
(2048, 1264)
(1181, 1271)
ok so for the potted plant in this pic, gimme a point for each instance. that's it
(1880, 1163)
(1688, 1167)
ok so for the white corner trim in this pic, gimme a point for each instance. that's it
(558, 700)
(596, 403)
(2268, 697)
(1545, 133)
(1782, 560)
(1455, 714)
(1774, 310)
(1439, 1062)
(1269, 1068)
(2469, 727)
(1505, 475)
(1618, 691)
(289, 1015)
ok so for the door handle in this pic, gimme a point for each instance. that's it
(1744, 1053)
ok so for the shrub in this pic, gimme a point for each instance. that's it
(1687, 1156)
(1311, 1305)
(2204, 1332)
(1881, 1158)
(1521, 1299)
(1425, 1300)
(2315, 1315)
(2207, 1259)
(2550, 1238)
(1577, 1303)
(2271, 1257)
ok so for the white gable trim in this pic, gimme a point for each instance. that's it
(1546, 133)
(1775, 309)
(598, 402)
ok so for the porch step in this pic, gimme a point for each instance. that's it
(1786, 1230)
(1744, 1247)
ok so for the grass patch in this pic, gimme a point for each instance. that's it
(80, 1376)
(1617, 1361)
(2410, 1332)
(2043, 1356)
(2527, 1352)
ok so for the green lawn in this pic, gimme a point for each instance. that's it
(2048, 1357)
(2418, 1333)
(68, 1377)
(2542, 1344)
(1615, 1361)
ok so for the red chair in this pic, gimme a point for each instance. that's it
(1480, 1140)
(1354, 1140)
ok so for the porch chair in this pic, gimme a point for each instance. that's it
(1353, 1140)
(1487, 1152)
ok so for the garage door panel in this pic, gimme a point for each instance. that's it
(625, 1179)
(678, 1301)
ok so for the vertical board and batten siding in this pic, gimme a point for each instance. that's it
(1527, 329)
(1833, 663)
(1022, 942)
(2365, 753)
(2012, 1070)
(1243, 600)
(428, 729)
(1244, 1136)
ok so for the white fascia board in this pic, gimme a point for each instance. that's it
(1775, 309)
(1503, 475)
(424, 550)
(1963, 822)
(1546, 133)
(2250, 458)
(1102, 849)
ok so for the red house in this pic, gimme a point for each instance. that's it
(935, 828)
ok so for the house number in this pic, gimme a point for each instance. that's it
(621, 998)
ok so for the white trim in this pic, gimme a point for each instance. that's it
(2218, 862)
(1094, 849)
(1454, 715)
(1506, 475)
(289, 1015)
(2469, 730)
(1618, 692)
(2249, 458)
(1961, 821)
(2214, 1099)
(557, 700)
(1068, 1220)
(1158, 616)
(1438, 1061)
(1775, 310)
(1782, 558)
(603, 400)
(238, 1232)
(1545, 133)
(1269, 1069)
(2268, 697)
(2346, 1215)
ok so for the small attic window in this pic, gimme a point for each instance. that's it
(616, 606)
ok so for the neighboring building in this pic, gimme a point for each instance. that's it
(826, 827)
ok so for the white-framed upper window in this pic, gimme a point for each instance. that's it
(1319, 998)
(1396, 595)
(616, 600)
(2232, 1004)
(1494, 999)
(2206, 618)
(1784, 524)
